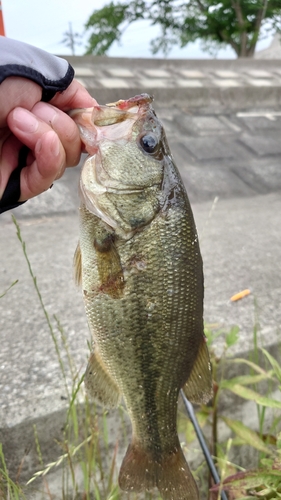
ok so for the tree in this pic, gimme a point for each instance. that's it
(237, 23)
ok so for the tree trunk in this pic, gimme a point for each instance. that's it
(243, 44)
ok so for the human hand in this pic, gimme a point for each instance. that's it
(50, 134)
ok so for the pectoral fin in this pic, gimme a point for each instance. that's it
(99, 383)
(109, 267)
(199, 386)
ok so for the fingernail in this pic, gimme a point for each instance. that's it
(25, 120)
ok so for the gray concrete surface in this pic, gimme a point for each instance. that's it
(230, 160)
(217, 84)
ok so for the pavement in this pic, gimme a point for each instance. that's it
(226, 143)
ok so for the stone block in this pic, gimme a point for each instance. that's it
(227, 83)
(258, 73)
(212, 148)
(203, 125)
(261, 122)
(261, 83)
(84, 71)
(227, 74)
(121, 72)
(153, 83)
(206, 182)
(262, 145)
(264, 176)
(157, 73)
(208, 123)
(192, 73)
(113, 83)
(189, 83)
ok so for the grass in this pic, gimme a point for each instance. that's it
(88, 461)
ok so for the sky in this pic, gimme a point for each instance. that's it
(43, 24)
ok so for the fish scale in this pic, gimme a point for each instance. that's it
(142, 283)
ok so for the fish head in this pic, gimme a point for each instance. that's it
(121, 181)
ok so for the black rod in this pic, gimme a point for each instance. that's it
(190, 411)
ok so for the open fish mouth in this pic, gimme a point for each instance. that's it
(88, 119)
(110, 130)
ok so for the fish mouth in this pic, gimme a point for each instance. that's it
(109, 121)
(141, 100)
(91, 189)
(118, 123)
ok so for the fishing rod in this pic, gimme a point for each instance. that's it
(191, 414)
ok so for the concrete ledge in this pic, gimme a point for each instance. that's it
(217, 99)
(223, 84)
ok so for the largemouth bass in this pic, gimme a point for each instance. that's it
(140, 268)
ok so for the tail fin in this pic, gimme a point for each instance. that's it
(171, 475)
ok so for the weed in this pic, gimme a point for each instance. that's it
(8, 489)
(264, 481)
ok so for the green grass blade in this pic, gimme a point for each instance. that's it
(247, 435)
(274, 363)
(6, 291)
(244, 380)
(41, 300)
(249, 394)
(251, 364)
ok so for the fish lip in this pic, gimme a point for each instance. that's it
(140, 100)
(74, 112)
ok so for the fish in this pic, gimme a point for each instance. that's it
(139, 264)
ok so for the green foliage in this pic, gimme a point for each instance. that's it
(108, 20)
(216, 22)
(264, 481)
(247, 436)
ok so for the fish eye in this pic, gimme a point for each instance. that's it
(149, 143)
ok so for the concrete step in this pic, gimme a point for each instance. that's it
(224, 84)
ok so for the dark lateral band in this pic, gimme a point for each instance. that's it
(12, 192)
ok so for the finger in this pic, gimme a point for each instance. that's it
(65, 128)
(49, 165)
(27, 127)
(15, 92)
(75, 96)
(9, 160)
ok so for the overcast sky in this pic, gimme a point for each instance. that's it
(43, 23)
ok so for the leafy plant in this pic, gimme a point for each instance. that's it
(220, 22)
(263, 481)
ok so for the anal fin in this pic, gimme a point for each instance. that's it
(199, 386)
(99, 383)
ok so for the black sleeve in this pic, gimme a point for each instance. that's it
(52, 73)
